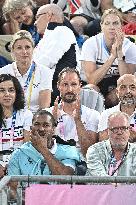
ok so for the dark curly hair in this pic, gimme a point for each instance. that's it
(19, 101)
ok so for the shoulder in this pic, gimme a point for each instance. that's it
(98, 147)
(111, 110)
(7, 69)
(24, 113)
(89, 111)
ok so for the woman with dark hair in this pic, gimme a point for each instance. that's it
(15, 121)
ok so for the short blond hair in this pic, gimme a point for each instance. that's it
(10, 6)
(22, 34)
(111, 11)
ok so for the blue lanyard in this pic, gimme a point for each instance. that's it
(32, 69)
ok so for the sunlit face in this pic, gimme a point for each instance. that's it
(69, 87)
(119, 132)
(24, 15)
(22, 51)
(43, 125)
(110, 26)
(7, 94)
(126, 91)
(42, 20)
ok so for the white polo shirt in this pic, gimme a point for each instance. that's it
(42, 81)
(103, 121)
(66, 128)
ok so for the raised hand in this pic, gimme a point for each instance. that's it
(55, 111)
(77, 111)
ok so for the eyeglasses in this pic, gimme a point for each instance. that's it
(116, 129)
(37, 16)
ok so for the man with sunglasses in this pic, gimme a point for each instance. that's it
(115, 156)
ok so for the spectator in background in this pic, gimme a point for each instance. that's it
(107, 56)
(20, 15)
(15, 121)
(35, 80)
(115, 156)
(57, 49)
(75, 121)
(126, 92)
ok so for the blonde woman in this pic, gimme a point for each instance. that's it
(36, 80)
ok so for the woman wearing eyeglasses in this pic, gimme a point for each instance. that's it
(15, 121)
(36, 80)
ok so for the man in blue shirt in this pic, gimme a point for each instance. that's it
(43, 156)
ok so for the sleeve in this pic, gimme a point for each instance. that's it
(28, 116)
(13, 165)
(130, 54)
(52, 46)
(69, 162)
(103, 120)
(89, 50)
(92, 120)
(95, 166)
(46, 78)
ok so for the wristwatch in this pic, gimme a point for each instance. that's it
(121, 58)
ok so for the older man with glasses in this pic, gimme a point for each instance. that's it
(115, 156)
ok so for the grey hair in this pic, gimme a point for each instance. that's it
(54, 10)
(118, 114)
(10, 6)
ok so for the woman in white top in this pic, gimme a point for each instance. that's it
(15, 121)
(35, 80)
(108, 55)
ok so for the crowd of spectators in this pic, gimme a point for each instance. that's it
(58, 57)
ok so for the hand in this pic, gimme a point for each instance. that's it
(119, 42)
(114, 50)
(77, 111)
(55, 111)
(41, 143)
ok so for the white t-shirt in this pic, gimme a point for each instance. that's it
(103, 121)
(23, 121)
(42, 81)
(66, 128)
(94, 50)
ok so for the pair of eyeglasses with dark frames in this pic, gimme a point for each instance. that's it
(116, 129)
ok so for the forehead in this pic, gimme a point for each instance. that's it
(22, 41)
(111, 18)
(118, 121)
(69, 75)
(42, 118)
(127, 81)
(18, 12)
(7, 83)
(41, 10)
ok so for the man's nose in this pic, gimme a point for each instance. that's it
(70, 87)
